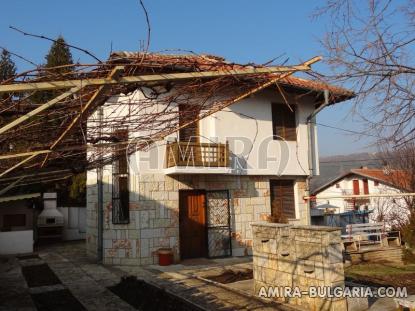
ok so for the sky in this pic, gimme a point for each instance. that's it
(239, 30)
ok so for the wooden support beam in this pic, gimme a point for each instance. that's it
(23, 154)
(12, 185)
(306, 64)
(17, 165)
(113, 75)
(41, 181)
(54, 85)
(39, 109)
(8, 179)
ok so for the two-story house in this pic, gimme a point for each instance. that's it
(372, 184)
(198, 189)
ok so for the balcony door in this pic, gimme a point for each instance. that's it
(192, 219)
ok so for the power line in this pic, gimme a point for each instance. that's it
(347, 130)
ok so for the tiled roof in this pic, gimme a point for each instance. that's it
(395, 178)
(193, 62)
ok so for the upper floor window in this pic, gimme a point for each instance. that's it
(283, 122)
(337, 185)
(376, 183)
(365, 186)
(356, 189)
(190, 132)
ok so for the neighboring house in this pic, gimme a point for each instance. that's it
(198, 190)
(366, 181)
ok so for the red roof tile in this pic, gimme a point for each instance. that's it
(193, 62)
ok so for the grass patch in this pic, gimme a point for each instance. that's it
(383, 275)
(379, 269)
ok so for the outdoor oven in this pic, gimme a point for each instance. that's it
(50, 221)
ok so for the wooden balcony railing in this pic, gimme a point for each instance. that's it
(197, 154)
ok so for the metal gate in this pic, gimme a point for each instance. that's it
(218, 223)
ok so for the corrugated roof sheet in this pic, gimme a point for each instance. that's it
(20, 197)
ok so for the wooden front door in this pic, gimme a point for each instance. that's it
(192, 218)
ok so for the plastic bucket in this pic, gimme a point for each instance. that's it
(165, 256)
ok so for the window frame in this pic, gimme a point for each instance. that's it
(288, 212)
(285, 121)
(120, 194)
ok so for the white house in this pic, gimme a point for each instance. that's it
(197, 190)
(366, 181)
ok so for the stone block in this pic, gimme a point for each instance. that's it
(334, 253)
(309, 250)
(144, 248)
(334, 273)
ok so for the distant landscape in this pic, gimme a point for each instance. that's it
(332, 166)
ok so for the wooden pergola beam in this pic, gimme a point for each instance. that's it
(54, 85)
(12, 185)
(55, 172)
(115, 73)
(18, 165)
(39, 109)
(23, 154)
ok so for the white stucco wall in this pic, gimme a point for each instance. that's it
(246, 126)
(154, 196)
(74, 223)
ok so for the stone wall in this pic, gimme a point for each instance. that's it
(154, 214)
(297, 257)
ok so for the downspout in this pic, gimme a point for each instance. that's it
(100, 207)
(311, 133)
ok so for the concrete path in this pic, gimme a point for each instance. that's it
(88, 282)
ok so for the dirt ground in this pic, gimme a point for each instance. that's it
(383, 274)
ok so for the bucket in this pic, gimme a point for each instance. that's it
(165, 256)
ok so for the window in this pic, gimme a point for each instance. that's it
(14, 220)
(376, 183)
(356, 186)
(120, 192)
(365, 186)
(282, 200)
(190, 132)
(283, 122)
(337, 185)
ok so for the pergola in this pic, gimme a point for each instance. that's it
(49, 141)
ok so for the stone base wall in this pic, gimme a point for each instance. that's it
(154, 214)
(287, 256)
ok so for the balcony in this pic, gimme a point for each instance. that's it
(193, 157)
(356, 201)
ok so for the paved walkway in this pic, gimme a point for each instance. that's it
(87, 282)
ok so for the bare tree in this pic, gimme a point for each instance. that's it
(400, 169)
(370, 49)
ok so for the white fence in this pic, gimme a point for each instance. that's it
(16, 242)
